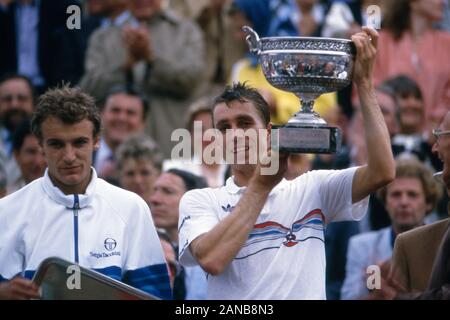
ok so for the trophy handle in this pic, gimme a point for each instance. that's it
(252, 39)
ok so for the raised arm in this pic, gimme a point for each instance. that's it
(215, 249)
(380, 168)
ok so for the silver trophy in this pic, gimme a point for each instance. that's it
(307, 67)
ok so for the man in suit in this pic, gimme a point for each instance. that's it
(413, 194)
(37, 43)
(421, 261)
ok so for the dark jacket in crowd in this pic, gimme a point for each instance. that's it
(59, 49)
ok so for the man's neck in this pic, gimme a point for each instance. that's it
(76, 189)
(242, 174)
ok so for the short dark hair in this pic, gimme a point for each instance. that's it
(15, 76)
(404, 86)
(397, 17)
(70, 105)
(191, 181)
(21, 132)
(244, 93)
(129, 91)
(139, 147)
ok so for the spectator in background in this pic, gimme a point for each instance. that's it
(199, 121)
(102, 14)
(421, 257)
(37, 43)
(28, 156)
(16, 105)
(412, 195)
(411, 111)
(410, 46)
(122, 115)
(164, 204)
(139, 165)
(311, 15)
(411, 139)
(159, 53)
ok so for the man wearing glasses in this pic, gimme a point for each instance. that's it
(425, 250)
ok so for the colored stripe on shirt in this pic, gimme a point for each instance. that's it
(152, 279)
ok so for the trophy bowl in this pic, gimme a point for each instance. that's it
(306, 67)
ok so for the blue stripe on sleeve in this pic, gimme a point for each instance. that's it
(29, 274)
(152, 279)
(113, 272)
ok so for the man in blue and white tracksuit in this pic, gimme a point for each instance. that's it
(72, 214)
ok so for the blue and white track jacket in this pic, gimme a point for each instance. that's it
(107, 229)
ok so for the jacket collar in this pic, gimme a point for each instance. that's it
(69, 200)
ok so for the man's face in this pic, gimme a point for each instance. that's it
(30, 159)
(406, 203)
(412, 114)
(122, 116)
(144, 9)
(442, 148)
(16, 102)
(139, 176)
(68, 150)
(244, 116)
(165, 200)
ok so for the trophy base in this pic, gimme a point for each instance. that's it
(301, 138)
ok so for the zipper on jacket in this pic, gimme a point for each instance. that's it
(76, 207)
